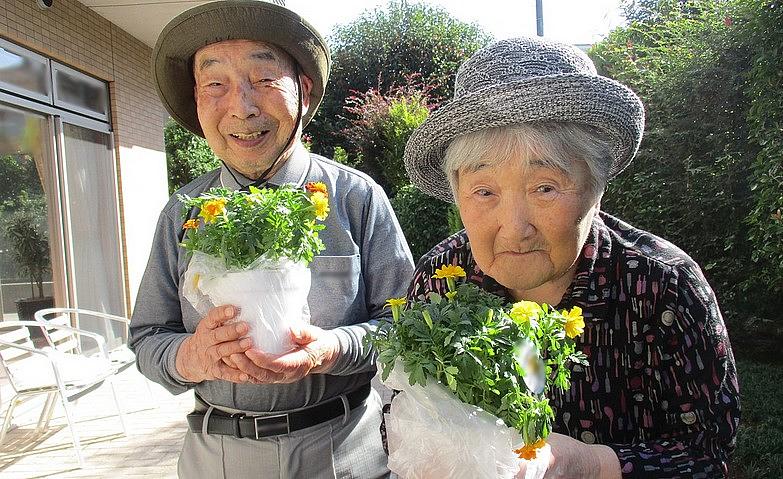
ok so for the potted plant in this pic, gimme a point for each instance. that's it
(29, 243)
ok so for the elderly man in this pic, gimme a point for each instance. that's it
(247, 76)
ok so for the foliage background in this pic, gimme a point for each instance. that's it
(708, 177)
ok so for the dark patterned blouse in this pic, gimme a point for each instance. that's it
(661, 388)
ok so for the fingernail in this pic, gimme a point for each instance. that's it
(229, 311)
(241, 328)
(243, 377)
(246, 343)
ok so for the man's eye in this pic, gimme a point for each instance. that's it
(483, 192)
(545, 189)
(214, 83)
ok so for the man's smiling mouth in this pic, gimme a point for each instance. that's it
(249, 136)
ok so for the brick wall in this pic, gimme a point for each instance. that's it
(76, 36)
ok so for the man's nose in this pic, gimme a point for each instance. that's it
(243, 102)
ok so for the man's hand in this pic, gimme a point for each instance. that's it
(316, 352)
(205, 355)
(572, 458)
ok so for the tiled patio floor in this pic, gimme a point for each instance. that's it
(155, 421)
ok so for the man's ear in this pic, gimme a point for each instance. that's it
(307, 87)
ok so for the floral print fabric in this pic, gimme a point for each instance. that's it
(661, 388)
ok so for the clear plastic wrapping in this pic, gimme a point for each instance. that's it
(432, 434)
(271, 296)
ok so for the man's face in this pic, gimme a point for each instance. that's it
(246, 99)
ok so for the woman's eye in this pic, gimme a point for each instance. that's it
(545, 189)
(483, 192)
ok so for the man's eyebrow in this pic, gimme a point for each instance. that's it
(206, 63)
(264, 55)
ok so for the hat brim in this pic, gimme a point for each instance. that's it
(232, 20)
(596, 101)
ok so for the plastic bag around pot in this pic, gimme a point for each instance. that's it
(271, 296)
(431, 433)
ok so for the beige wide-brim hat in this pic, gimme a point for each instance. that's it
(525, 80)
(172, 57)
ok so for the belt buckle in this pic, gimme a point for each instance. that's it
(272, 423)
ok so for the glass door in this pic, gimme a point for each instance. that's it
(32, 273)
(92, 224)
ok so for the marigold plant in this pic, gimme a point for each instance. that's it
(502, 359)
(241, 227)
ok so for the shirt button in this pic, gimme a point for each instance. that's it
(667, 318)
(688, 417)
(588, 437)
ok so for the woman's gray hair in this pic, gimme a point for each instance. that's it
(559, 146)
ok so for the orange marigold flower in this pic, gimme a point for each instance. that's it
(313, 187)
(529, 451)
(212, 209)
(191, 224)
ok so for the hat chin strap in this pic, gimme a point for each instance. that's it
(263, 179)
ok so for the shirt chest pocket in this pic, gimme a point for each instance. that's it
(336, 293)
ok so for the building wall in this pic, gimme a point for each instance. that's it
(72, 34)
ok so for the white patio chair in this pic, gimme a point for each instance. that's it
(62, 371)
(120, 356)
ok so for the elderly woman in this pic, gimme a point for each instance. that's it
(525, 150)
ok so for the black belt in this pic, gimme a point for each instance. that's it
(255, 427)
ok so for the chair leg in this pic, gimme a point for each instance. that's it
(9, 414)
(46, 412)
(117, 403)
(72, 425)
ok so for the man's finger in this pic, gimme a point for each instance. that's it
(305, 334)
(264, 376)
(227, 348)
(217, 316)
(230, 374)
(285, 363)
(228, 332)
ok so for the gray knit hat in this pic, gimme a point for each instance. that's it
(264, 21)
(525, 80)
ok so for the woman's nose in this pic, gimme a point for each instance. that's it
(516, 219)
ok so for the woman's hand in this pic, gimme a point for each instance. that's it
(571, 458)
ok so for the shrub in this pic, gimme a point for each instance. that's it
(380, 127)
(422, 219)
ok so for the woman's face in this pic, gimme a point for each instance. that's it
(527, 224)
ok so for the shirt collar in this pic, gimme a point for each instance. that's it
(294, 170)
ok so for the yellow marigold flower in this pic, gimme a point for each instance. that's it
(525, 312)
(449, 271)
(396, 305)
(212, 209)
(396, 302)
(191, 224)
(321, 205)
(313, 187)
(575, 323)
(529, 451)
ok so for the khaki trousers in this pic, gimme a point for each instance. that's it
(344, 447)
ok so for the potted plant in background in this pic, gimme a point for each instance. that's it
(29, 244)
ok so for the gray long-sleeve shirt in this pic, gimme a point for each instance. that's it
(366, 261)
